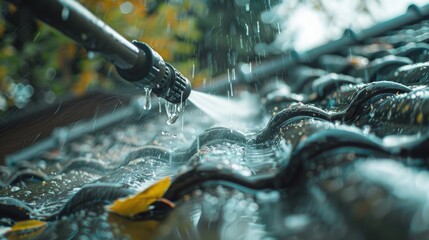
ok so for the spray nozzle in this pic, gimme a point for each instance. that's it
(151, 71)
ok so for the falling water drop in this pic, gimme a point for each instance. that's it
(230, 112)
(181, 106)
(172, 113)
(193, 71)
(230, 83)
(229, 75)
(159, 105)
(247, 29)
(258, 29)
(147, 103)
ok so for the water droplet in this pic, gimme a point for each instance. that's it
(181, 106)
(366, 129)
(172, 113)
(258, 29)
(65, 13)
(41, 164)
(229, 75)
(247, 29)
(84, 36)
(126, 7)
(372, 111)
(148, 101)
(193, 71)
(159, 105)
(91, 55)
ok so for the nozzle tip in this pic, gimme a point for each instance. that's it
(151, 71)
(179, 87)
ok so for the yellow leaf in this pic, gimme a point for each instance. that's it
(140, 202)
(27, 225)
(26, 229)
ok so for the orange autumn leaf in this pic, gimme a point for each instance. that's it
(140, 202)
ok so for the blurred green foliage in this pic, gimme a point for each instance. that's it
(38, 63)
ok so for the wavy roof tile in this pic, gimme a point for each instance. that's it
(341, 154)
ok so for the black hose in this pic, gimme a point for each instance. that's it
(135, 61)
(76, 22)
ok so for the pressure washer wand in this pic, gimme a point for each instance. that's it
(134, 61)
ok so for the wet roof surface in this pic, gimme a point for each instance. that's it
(339, 152)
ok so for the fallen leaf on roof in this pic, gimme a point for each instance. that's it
(140, 202)
(27, 228)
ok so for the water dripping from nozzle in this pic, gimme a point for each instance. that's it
(172, 112)
(148, 101)
(181, 106)
(159, 105)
